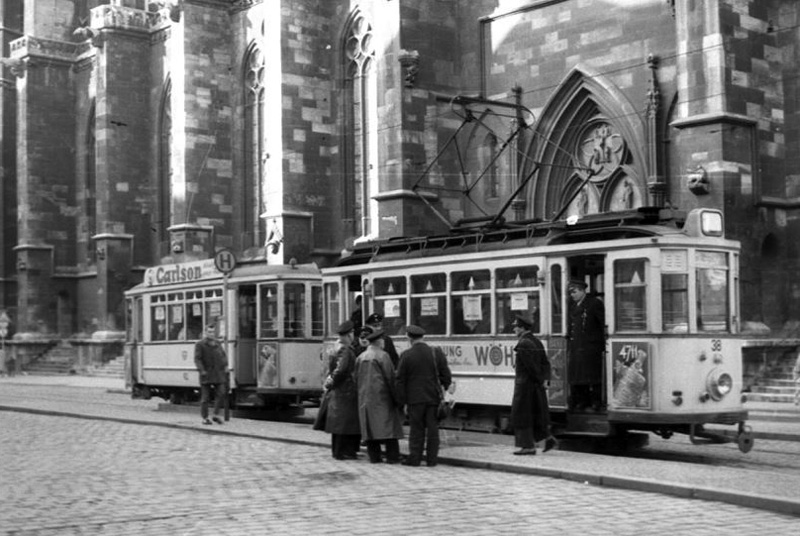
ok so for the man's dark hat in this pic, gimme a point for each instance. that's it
(415, 331)
(364, 332)
(522, 322)
(345, 327)
(374, 334)
(375, 318)
(577, 283)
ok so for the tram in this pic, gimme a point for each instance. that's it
(668, 282)
(268, 317)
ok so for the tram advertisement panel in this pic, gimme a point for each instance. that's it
(268, 366)
(630, 375)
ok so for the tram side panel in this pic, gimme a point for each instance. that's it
(168, 366)
(289, 366)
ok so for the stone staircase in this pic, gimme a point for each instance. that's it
(112, 369)
(60, 359)
(776, 385)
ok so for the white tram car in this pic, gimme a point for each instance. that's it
(669, 283)
(269, 318)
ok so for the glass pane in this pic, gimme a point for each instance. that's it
(390, 286)
(511, 304)
(247, 312)
(294, 307)
(427, 283)
(332, 299)
(429, 313)
(471, 314)
(629, 295)
(214, 313)
(556, 306)
(394, 314)
(194, 321)
(675, 302)
(316, 312)
(176, 318)
(158, 323)
(521, 276)
(268, 302)
(712, 299)
(476, 280)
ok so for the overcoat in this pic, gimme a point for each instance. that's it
(586, 334)
(343, 398)
(417, 382)
(529, 407)
(211, 361)
(378, 411)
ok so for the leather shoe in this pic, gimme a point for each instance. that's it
(410, 463)
(216, 420)
(206, 421)
(550, 443)
(525, 452)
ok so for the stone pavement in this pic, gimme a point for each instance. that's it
(743, 487)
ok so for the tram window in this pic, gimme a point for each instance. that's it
(470, 303)
(712, 291)
(390, 301)
(556, 300)
(159, 323)
(316, 312)
(332, 300)
(213, 310)
(630, 313)
(294, 306)
(675, 302)
(517, 293)
(194, 320)
(269, 311)
(176, 322)
(428, 302)
(247, 312)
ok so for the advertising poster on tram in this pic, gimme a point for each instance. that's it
(631, 385)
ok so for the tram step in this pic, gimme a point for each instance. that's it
(587, 423)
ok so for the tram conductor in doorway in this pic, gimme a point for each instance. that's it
(212, 364)
(530, 412)
(585, 348)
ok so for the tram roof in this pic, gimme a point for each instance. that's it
(636, 223)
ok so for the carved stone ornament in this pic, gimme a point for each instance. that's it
(409, 60)
(697, 181)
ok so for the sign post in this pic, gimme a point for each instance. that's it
(225, 262)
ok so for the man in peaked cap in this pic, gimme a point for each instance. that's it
(422, 374)
(585, 348)
(342, 418)
(375, 321)
(530, 413)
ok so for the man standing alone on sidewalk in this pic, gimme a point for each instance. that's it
(212, 364)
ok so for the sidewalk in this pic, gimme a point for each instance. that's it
(744, 487)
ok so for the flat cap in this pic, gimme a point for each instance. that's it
(522, 322)
(345, 327)
(578, 283)
(375, 318)
(415, 331)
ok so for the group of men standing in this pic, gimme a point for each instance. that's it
(366, 391)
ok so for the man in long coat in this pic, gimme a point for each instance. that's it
(421, 375)
(342, 419)
(530, 412)
(212, 366)
(378, 411)
(586, 346)
(375, 322)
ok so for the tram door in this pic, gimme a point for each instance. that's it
(246, 335)
(585, 383)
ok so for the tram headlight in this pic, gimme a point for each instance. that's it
(719, 384)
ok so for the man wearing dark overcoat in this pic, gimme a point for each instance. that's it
(421, 376)
(212, 365)
(342, 419)
(530, 412)
(586, 347)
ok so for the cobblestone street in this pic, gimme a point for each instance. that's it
(74, 476)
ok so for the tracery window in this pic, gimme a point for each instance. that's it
(254, 151)
(360, 174)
